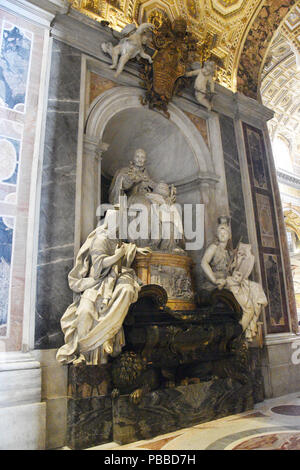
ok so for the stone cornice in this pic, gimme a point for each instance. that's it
(33, 11)
(288, 179)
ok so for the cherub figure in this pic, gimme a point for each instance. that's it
(204, 83)
(130, 46)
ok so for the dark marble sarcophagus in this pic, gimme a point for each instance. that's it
(178, 369)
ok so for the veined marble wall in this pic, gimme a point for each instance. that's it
(234, 182)
(21, 47)
(57, 210)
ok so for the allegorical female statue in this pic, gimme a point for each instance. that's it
(158, 199)
(217, 257)
(249, 294)
(229, 269)
(105, 286)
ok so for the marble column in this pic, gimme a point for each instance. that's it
(57, 205)
(91, 184)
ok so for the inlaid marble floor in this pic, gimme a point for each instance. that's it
(273, 424)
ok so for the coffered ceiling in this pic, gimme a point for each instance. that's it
(280, 86)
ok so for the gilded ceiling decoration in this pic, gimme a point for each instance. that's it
(292, 220)
(280, 86)
(230, 21)
(258, 39)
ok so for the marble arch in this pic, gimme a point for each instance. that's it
(115, 100)
(195, 186)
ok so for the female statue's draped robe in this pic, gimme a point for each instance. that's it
(251, 297)
(104, 296)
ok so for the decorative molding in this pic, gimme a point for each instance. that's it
(288, 179)
(34, 13)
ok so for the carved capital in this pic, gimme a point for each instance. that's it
(94, 148)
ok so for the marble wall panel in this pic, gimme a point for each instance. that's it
(21, 52)
(234, 181)
(265, 221)
(57, 212)
(200, 124)
(275, 301)
(267, 231)
(6, 240)
(98, 85)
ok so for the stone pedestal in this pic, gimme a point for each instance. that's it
(22, 414)
(90, 419)
(173, 273)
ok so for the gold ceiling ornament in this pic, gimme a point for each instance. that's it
(192, 8)
(228, 2)
(292, 220)
(229, 20)
(205, 49)
(157, 17)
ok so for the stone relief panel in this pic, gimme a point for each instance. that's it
(175, 280)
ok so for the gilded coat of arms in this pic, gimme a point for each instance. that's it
(174, 50)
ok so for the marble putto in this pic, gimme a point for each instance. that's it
(130, 46)
(204, 84)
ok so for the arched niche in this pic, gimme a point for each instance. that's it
(114, 102)
(169, 156)
(176, 152)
